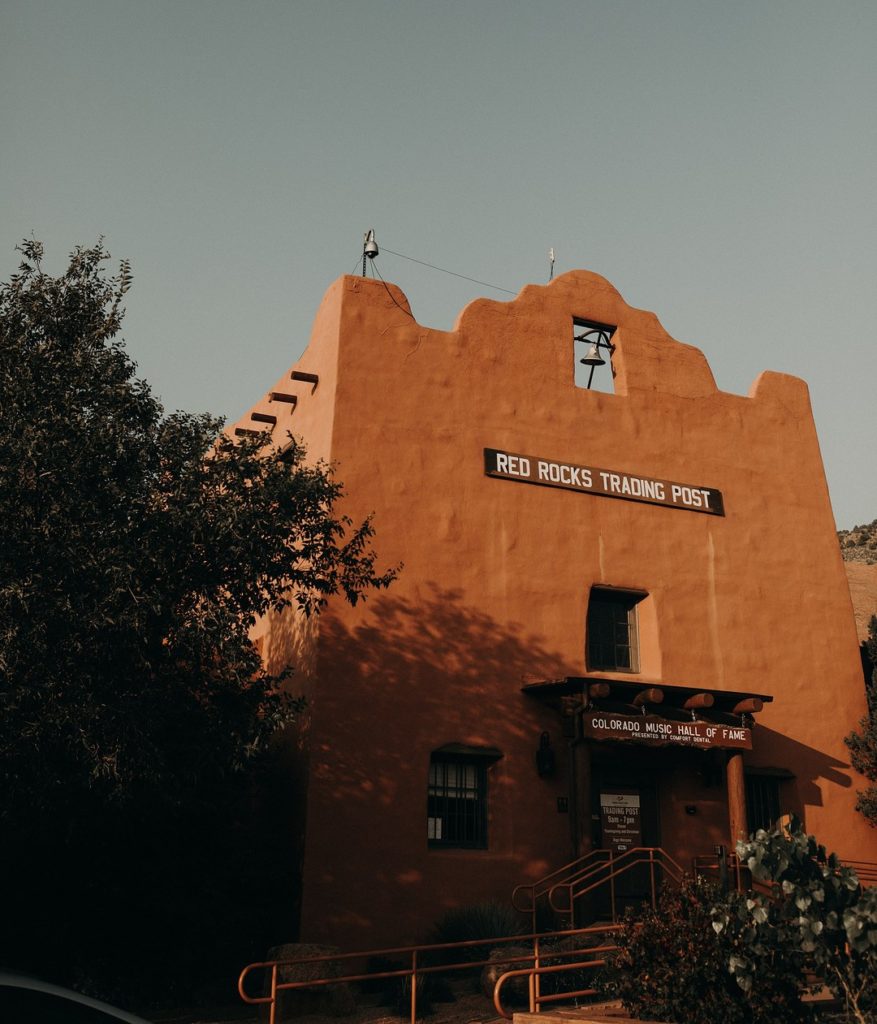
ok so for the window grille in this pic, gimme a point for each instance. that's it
(762, 802)
(613, 642)
(457, 803)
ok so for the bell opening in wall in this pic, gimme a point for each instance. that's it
(593, 349)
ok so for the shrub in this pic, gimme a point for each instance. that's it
(487, 920)
(819, 919)
(673, 965)
(744, 958)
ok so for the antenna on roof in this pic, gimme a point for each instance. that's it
(369, 247)
(551, 263)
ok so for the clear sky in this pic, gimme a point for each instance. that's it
(715, 161)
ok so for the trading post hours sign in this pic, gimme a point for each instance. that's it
(533, 469)
(620, 821)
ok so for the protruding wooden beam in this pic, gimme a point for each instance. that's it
(264, 417)
(284, 396)
(750, 706)
(249, 432)
(309, 378)
(653, 695)
(699, 700)
(599, 690)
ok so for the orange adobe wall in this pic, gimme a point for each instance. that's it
(495, 589)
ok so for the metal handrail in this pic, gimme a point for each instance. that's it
(542, 885)
(865, 869)
(416, 968)
(710, 862)
(615, 867)
(534, 973)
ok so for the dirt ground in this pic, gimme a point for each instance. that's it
(467, 1007)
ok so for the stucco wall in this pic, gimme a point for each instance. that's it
(496, 579)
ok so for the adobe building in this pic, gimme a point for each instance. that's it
(628, 599)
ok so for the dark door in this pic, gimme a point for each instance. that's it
(626, 822)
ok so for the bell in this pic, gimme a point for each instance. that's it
(370, 246)
(593, 358)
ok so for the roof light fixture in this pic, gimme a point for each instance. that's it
(369, 247)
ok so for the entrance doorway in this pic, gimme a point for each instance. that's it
(625, 816)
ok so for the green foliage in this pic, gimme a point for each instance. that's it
(863, 745)
(817, 920)
(673, 965)
(136, 551)
(132, 565)
(747, 957)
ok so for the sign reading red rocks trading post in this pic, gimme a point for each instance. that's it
(660, 732)
(611, 483)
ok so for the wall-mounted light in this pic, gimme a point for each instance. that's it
(545, 764)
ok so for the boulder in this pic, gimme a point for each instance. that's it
(516, 991)
(337, 1000)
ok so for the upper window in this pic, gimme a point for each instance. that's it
(613, 641)
(457, 801)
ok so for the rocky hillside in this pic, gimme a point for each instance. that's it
(859, 544)
(859, 550)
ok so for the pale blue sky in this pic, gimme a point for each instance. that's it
(716, 161)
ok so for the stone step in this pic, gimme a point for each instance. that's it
(596, 1013)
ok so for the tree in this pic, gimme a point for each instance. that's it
(863, 745)
(136, 551)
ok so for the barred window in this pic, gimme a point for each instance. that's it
(613, 641)
(457, 802)
(762, 802)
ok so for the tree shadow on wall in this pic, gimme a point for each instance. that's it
(444, 669)
(401, 674)
(406, 675)
(808, 764)
(399, 679)
(809, 767)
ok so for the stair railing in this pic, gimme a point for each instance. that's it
(606, 873)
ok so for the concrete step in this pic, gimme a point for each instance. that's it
(596, 1013)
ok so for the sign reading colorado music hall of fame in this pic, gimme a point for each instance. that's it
(661, 732)
(534, 469)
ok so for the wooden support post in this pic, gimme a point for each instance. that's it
(582, 795)
(736, 798)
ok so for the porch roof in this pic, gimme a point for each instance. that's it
(630, 691)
